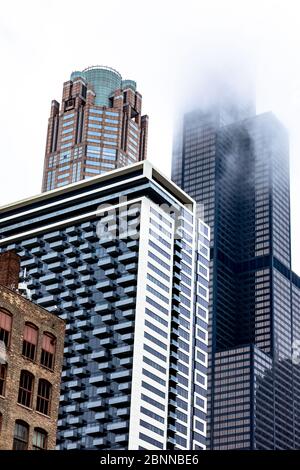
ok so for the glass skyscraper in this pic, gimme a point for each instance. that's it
(123, 258)
(237, 165)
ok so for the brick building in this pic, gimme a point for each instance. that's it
(31, 355)
(97, 127)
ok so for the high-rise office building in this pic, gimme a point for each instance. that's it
(98, 127)
(136, 306)
(239, 170)
(31, 357)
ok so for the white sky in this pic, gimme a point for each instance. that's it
(169, 47)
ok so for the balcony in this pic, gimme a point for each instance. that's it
(124, 327)
(49, 279)
(74, 262)
(122, 351)
(108, 342)
(74, 384)
(86, 302)
(77, 361)
(88, 279)
(95, 405)
(113, 251)
(81, 372)
(85, 269)
(79, 337)
(72, 409)
(72, 283)
(98, 379)
(89, 258)
(123, 412)
(133, 245)
(99, 356)
(82, 348)
(59, 245)
(110, 295)
(78, 396)
(120, 376)
(127, 279)
(84, 325)
(81, 314)
(125, 303)
(101, 332)
(85, 247)
(112, 273)
(53, 236)
(129, 256)
(94, 429)
(55, 288)
(118, 426)
(71, 434)
(109, 318)
(107, 262)
(119, 401)
(52, 257)
(32, 242)
(47, 301)
(130, 290)
(103, 307)
(57, 267)
(105, 285)
(75, 240)
(68, 274)
(132, 267)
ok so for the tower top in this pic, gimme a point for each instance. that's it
(104, 80)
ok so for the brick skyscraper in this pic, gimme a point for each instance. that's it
(98, 127)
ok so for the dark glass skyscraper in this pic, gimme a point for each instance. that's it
(238, 167)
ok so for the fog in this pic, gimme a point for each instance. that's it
(180, 53)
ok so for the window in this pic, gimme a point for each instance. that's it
(26, 388)
(21, 436)
(30, 341)
(48, 350)
(43, 397)
(1, 418)
(5, 326)
(39, 441)
(3, 370)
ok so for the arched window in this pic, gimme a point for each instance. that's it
(26, 388)
(3, 371)
(21, 436)
(5, 326)
(44, 397)
(39, 441)
(30, 341)
(48, 350)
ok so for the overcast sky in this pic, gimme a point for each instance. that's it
(173, 49)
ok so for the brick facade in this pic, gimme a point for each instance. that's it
(22, 311)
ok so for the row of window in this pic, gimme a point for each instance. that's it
(26, 387)
(30, 340)
(21, 436)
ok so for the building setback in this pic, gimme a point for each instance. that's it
(240, 171)
(136, 306)
(98, 127)
(31, 356)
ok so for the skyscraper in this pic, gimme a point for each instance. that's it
(98, 127)
(136, 306)
(239, 170)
